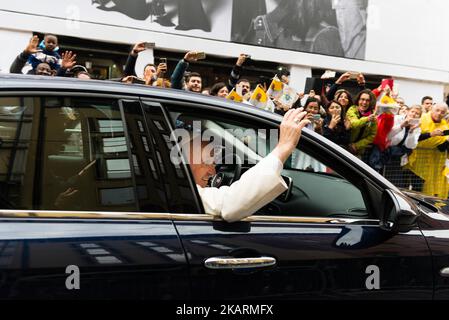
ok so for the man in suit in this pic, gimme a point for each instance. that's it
(259, 185)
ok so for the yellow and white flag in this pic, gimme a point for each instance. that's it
(260, 100)
(275, 91)
(234, 96)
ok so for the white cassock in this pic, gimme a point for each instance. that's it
(256, 188)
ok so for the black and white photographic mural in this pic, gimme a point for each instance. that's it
(190, 14)
(329, 27)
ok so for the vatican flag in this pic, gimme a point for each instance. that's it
(234, 96)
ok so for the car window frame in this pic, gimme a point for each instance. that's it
(73, 214)
(371, 192)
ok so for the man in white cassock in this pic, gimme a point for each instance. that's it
(259, 185)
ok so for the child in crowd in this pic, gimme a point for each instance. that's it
(48, 53)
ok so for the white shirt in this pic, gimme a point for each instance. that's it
(397, 134)
(256, 188)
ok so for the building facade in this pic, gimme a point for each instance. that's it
(402, 39)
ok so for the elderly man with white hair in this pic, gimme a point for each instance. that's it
(428, 160)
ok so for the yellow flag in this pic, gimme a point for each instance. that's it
(276, 84)
(234, 96)
(258, 95)
(387, 100)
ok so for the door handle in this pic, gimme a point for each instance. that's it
(239, 263)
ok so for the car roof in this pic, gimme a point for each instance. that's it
(31, 83)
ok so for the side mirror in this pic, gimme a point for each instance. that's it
(399, 213)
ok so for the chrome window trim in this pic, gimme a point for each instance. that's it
(92, 215)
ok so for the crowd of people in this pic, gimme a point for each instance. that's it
(408, 144)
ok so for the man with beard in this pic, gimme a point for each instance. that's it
(193, 81)
(242, 85)
(150, 72)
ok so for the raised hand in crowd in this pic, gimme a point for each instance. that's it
(161, 70)
(191, 56)
(335, 120)
(344, 77)
(241, 60)
(32, 45)
(361, 79)
(138, 47)
(68, 60)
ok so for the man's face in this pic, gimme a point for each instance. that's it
(438, 113)
(203, 171)
(149, 73)
(194, 84)
(427, 105)
(245, 87)
(400, 101)
(43, 69)
(50, 43)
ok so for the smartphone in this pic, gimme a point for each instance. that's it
(353, 75)
(316, 117)
(446, 133)
(150, 45)
(163, 60)
(414, 122)
(200, 55)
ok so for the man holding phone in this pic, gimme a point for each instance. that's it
(150, 72)
(194, 81)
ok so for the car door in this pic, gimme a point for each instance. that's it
(84, 211)
(321, 242)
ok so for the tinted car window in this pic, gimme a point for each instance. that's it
(313, 180)
(75, 154)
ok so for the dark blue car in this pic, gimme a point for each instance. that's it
(93, 207)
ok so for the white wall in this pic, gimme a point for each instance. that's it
(13, 43)
(298, 75)
(409, 33)
(413, 91)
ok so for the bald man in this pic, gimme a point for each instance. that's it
(428, 160)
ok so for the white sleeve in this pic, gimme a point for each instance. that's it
(397, 133)
(411, 141)
(256, 188)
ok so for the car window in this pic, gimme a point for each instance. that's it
(63, 153)
(313, 180)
